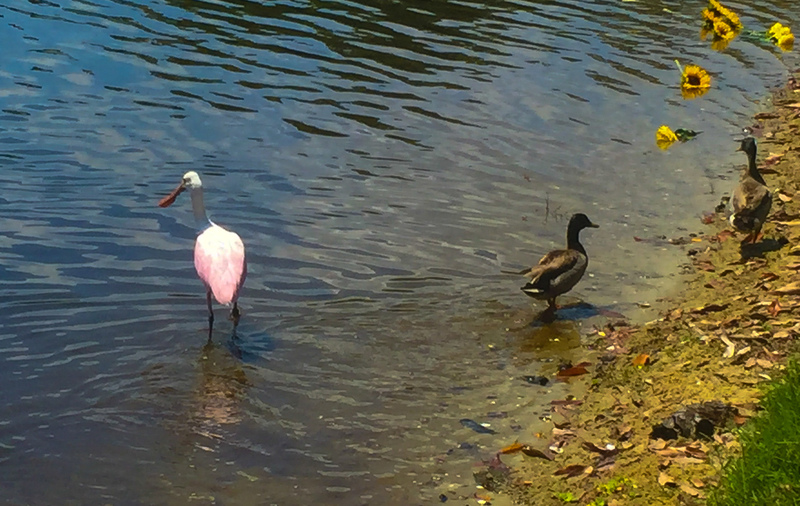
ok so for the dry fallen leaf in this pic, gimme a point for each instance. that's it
(641, 360)
(604, 451)
(687, 460)
(705, 265)
(570, 471)
(709, 308)
(691, 490)
(572, 371)
(790, 289)
(566, 402)
(764, 364)
(773, 158)
(513, 447)
(533, 452)
(666, 480)
(730, 347)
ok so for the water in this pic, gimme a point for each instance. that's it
(383, 162)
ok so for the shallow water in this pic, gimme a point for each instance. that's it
(384, 162)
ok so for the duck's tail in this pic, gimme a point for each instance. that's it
(533, 291)
(744, 222)
(518, 273)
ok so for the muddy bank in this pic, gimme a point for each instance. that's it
(654, 426)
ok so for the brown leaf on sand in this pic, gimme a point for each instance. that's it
(513, 447)
(533, 452)
(774, 308)
(572, 371)
(566, 402)
(773, 158)
(724, 235)
(570, 471)
(641, 360)
(709, 308)
(685, 487)
(790, 289)
(604, 451)
(687, 460)
(768, 276)
(764, 364)
(705, 265)
(715, 284)
(666, 480)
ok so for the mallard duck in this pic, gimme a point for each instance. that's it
(560, 270)
(751, 199)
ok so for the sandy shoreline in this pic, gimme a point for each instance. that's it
(725, 336)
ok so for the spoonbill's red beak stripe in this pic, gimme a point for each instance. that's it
(169, 199)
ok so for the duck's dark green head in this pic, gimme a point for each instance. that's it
(748, 145)
(580, 221)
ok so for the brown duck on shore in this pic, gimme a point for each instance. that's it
(560, 270)
(751, 199)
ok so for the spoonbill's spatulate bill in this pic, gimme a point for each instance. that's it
(218, 253)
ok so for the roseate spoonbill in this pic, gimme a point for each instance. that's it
(218, 253)
(561, 269)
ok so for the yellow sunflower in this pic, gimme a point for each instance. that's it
(777, 29)
(715, 6)
(782, 36)
(692, 93)
(717, 12)
(665, 137)
(724, 31)
(786, 41)
(733, 20)
(719, 44)
(695, 81)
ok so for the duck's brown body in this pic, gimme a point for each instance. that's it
(560, 270)
(751, 199)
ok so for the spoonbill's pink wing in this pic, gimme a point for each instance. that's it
(220, 263)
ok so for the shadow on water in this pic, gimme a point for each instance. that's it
(244, 344)
(573, 313)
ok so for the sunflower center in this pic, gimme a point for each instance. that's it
(694, 80)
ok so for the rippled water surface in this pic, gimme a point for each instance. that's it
(384, 162)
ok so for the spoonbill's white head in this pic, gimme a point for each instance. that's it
(191, 180)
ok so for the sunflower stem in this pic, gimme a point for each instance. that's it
(679, 66)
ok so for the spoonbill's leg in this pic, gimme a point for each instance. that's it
(235, 314)
(210, 310)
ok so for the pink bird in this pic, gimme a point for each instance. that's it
(218, 253)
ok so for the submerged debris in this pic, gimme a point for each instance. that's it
(537, 380)
(472, 424)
